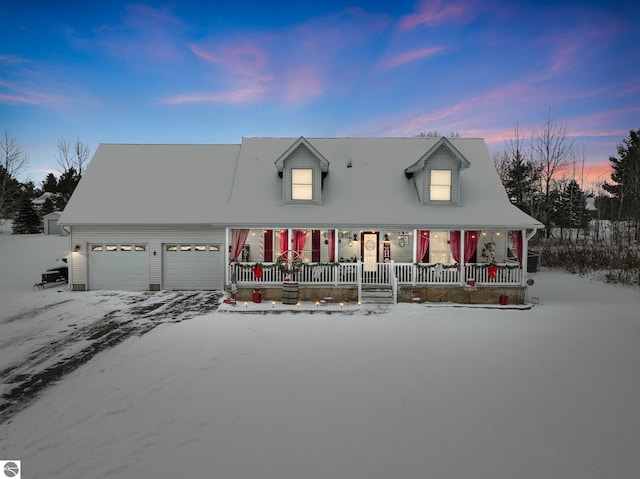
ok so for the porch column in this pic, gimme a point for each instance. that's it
(462, 265)
(336, 258)
(226, 256)
(414, 269)
(415, 246)
(289, 239)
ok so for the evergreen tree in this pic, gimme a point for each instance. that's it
(50, 184)
(66, 185)
(10, 194)
(47, 207)
(26, 220)
(625, 177)
(521, 180)
(571, 208)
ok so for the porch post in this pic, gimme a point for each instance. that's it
(415, 245)
(414, 269)
(289, 239)
(336, 258)
(462, 265)
(226, 256)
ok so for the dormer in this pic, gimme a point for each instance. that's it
(437, 174)
(302, 169)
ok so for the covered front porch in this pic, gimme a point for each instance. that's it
(353, 259)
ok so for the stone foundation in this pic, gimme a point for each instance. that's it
(406, 294)
(345, 293)
(462, 295)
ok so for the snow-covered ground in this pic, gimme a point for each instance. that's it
(416, 392)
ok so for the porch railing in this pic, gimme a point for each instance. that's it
(380, 273)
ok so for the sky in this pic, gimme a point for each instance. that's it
(214, 72)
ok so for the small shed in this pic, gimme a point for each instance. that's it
(51, 226)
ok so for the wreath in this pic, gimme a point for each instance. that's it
(289, 262)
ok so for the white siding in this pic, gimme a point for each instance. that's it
(152, 236)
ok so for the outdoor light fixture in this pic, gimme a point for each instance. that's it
(77, 248)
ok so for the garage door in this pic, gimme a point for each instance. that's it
(192, 266)
(119, 266)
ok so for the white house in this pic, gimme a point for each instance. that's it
(38, 202)
(424, 218)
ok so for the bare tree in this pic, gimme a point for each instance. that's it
(553, 150)
(72, 156)
(14, 161)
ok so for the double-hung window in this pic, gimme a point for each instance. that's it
(440, 189)
(302, 184)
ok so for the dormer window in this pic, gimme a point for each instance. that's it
(436, 174)
(440, 188)
(303, 170)
(302, 184)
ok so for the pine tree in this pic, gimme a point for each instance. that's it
(50, 184)
(625, 177)
(27, 220)
(571, 208)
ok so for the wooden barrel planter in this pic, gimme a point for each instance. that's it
(290, 293)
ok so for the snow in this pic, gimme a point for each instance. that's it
(411, 392)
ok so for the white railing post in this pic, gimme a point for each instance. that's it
(394, 281)
(359, 279)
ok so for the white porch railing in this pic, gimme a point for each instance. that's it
(381, 274)
(502, 274)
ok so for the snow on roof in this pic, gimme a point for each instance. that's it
(153, 184)
(239, 185)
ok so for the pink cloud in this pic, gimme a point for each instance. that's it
(302, 82)
(406, 57)
(144, 33)
(434, 12)
(241, 58)
(20, 94)
(242, 95)
(293, 64)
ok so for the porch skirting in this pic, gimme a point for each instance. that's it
(461, 294)
(273, 292)
(406, 293)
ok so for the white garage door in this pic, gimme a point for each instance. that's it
(119, 266)
(192, 266)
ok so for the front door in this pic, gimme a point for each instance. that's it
(369, 250)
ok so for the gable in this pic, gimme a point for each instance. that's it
(442, 156)
(302, 160)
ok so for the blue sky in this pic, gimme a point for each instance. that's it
(213, 72)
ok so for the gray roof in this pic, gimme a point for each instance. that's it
(239, 186)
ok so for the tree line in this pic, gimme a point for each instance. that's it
(588, 227)
(544, 175)
(16, 197)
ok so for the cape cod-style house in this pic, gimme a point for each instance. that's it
(422, 218)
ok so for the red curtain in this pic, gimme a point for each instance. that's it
(284, 242)
(268, 246)
(517, 241)
(315, 246)
(331, 238)
(470, 244)
(454, 242)
(238, 238)
(423, 244)
(299, 240)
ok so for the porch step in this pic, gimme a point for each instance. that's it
(378, 295)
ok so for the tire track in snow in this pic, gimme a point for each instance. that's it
(42, 367)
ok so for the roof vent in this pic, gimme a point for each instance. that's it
(349, 164)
